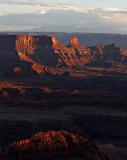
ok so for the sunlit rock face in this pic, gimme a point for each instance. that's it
(35, 54)
(48, 51)
(32, 54)
(54, 40)
(52, 145)
(74, 41)
(57, 46)
(38, 68)
(36, 48)
(26, 46)
(123, 54)
(73, 55)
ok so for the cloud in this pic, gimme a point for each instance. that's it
(106, 17)
(36, 6)
(42, 12)
(19, 7)
(61, 17)
(3, 14)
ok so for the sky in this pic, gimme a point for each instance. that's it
(93, 16)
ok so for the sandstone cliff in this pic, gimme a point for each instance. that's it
(26, 45)
(73, 55)
(28, 54)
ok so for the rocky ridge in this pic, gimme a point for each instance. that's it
(72, 55)
(52, 145)
(29, 54)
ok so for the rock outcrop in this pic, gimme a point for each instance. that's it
(32, 54)
(108, 55)
(26, 45)
(74, 41)
(123, 54)
(52, 145)
(72, 55)
(24, 54)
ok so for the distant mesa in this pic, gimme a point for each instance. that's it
(24, 54)
(52, 145)
(73, 55)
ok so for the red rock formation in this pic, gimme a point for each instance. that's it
(74, 41)
(72, 55)
(56, 45)
(34, 51)
(40, 69)
(123, 54)
(54, 40)
(25, 58)
(52, 145)
(25, 46)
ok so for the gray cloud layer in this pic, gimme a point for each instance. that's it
(29, 14)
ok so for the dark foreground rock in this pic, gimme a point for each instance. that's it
(52, 145)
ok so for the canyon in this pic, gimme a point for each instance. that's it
(29, 54)
(49, 85)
